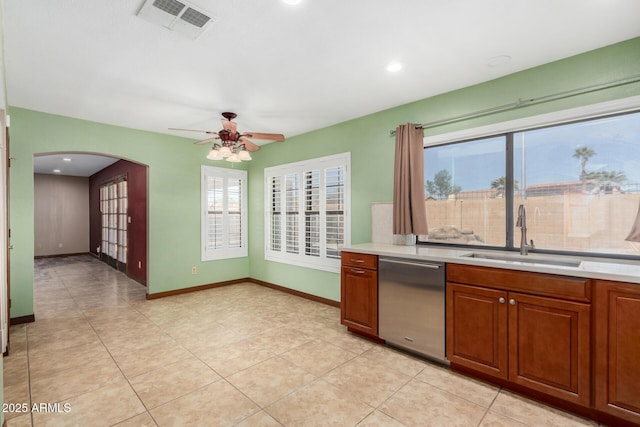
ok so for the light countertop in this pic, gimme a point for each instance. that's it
(595, 268)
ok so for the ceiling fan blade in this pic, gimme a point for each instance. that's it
(195, 130)
(266, 136)
(204, 141)
(250, 146)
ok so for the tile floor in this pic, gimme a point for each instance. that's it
(241, 355)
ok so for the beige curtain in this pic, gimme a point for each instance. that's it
(634, 234)
(409, 215)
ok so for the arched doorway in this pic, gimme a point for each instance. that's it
(116, 210)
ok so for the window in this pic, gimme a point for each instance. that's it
(113, 209)
(579, 182)
(307, 212)
(464, 189)
(224, 206)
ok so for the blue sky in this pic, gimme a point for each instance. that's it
(548, 153)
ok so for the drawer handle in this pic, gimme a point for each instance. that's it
(357, 260)
(502, 300)
(413, 264)
(353, 270)
(512, 301)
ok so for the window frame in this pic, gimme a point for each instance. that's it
(224, 252)
(507, 129)
(114, 224)
(300, 170)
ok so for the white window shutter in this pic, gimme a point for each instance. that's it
(307, 212)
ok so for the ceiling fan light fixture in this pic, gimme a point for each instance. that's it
(244, 155)
(214, 155)
(232, 143)
(225, 151)
(233, 158)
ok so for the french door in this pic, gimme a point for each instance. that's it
(113, 208)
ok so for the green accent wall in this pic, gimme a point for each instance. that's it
(174, 169)
(174, 198)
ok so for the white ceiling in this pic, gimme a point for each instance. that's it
(283, 69)
(72, 164)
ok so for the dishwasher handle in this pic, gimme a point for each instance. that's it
(412, 264)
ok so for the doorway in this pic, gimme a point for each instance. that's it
(114, 228)
(114, 214)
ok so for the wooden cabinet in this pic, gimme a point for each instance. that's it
(549, 346)
(617, 349)
(539, 342)
(359, 293)
(477, 332)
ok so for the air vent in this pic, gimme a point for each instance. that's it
(194, 17)
(178, 16)
(170, 6)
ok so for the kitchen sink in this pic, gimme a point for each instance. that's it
(526, 259)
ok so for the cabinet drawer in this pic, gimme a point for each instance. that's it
(353, 259)
(565, 287)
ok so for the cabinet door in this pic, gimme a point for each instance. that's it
(477, 328)
(617, 349)
(549, 346)
(359, 299)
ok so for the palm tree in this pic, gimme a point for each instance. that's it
(614, 176)
(584, 154)
(608, 180)
(499, 184)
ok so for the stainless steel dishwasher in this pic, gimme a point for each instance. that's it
(411, 305)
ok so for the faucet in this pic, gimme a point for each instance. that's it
(522, 223)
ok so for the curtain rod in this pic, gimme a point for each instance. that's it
(530, 101)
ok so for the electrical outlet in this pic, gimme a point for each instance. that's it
(59, 245)
(194, 270)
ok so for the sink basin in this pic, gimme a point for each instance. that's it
(526, 259)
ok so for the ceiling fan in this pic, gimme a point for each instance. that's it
(233, 146)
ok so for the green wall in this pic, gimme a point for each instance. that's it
(174, 198)
(372, 148)
(174, 169)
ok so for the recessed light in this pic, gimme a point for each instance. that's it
(292, 2)
(56, 171)
(498, 60)
(66, 159)
(394, 67)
